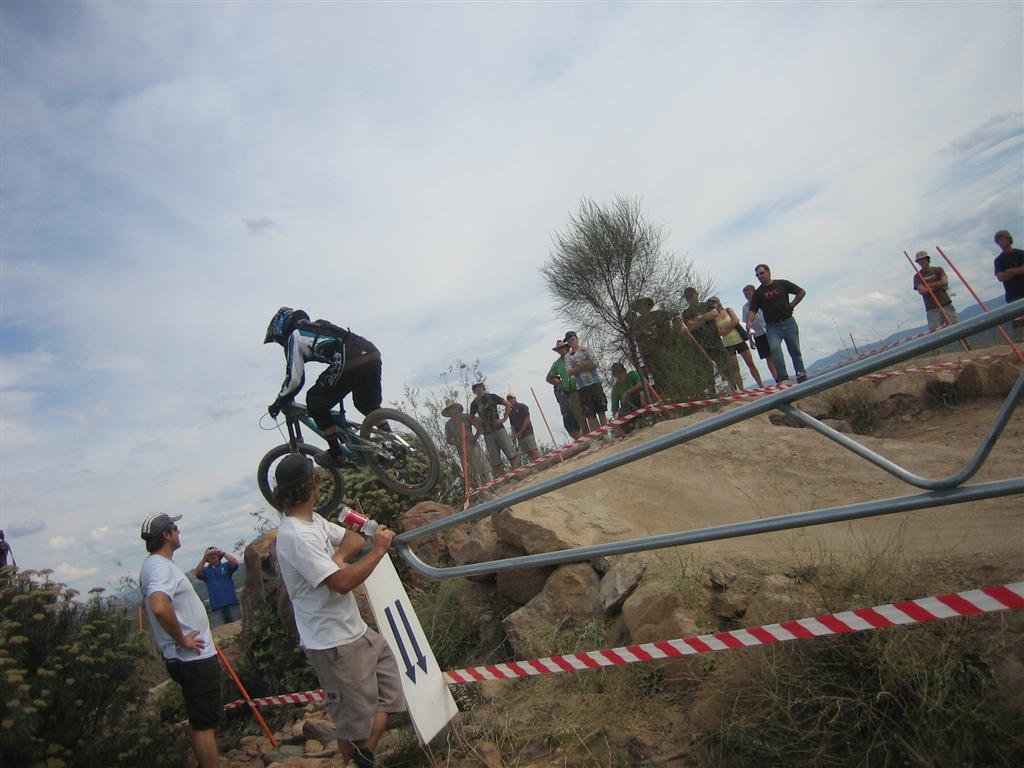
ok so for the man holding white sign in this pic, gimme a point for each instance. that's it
(353, 663)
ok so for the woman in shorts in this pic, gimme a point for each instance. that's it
(729, 328)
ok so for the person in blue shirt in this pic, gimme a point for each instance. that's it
(216, 569)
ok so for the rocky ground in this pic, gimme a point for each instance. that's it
(766, 466)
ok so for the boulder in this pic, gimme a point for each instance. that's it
(779, 598)
(719, 577)
(730, 605)
(261, 574)
(522, 586)
(436, 550)
(839, 425)
(477, 609)
(482, 545)
(619, 583)
(318, 730)
(657, 611)
(558, 524)
(570, 594)
(816, 406)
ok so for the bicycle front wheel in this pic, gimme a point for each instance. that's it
(332, 484)
(404, 459)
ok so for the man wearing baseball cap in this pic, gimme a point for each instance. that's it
(354, 665)
(182, 634)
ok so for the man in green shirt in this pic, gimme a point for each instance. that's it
(565, 391)
(627, 394)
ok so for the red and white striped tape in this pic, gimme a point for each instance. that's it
(746, 394)
(975, 601)
(970, 603)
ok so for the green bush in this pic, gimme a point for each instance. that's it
(73, 694)
(273, 653)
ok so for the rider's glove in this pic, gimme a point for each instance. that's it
(274, 408)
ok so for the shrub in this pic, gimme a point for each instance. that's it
(72, 690)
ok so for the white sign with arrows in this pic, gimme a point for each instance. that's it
(430, 702)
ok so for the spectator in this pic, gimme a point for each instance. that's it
(628, 394)
(1009, 266)
(758, 331)
(477, 468)
(581, 366)
(485, 408)
(522, 427)
(700, 321)
(729, 328)
(354, 665)
(182, 634)
(772, 297)
(5, 551)
(931, 283)
(565, 391)
(219, 584)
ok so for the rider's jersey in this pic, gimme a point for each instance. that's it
(341, 349)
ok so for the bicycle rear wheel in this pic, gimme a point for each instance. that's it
(332, 484)
(404, 459)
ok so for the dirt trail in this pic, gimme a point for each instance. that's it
(756, 469)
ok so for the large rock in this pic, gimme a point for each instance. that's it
(570, 594)
(619, 583)
(987, 380)
(438, 549)
(523, 585)
(657, 611)
(779, 598)
(482, 545)
(262, 579)
(559, 523)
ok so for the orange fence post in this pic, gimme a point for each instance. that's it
(560, 458)
(465, 463)
(245, 695)
(980, 302)
(931, 293)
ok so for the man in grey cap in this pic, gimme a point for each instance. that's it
(182, 634)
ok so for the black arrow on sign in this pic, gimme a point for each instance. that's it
(421, 660)
(410, 670)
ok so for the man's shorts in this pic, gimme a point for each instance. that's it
(761, 342)
(200, 688)
(592, 400)
(527, 443)
(498, 442)
(359, 679)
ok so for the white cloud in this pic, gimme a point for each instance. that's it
(406, 185)
(58, 543)
(69, 574)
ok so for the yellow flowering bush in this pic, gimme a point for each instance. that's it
(70, 676)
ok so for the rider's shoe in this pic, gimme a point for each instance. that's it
(362, 757)
(327, 459)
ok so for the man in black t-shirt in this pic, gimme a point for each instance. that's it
(1009, 266)
(772, 298)
(522, 426)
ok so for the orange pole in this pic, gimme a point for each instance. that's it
(980, 302)
(142, 627)
(931, 293)
(248, 699)
(465, 463)
(553, 442)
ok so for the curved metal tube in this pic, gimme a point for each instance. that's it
(987, 443)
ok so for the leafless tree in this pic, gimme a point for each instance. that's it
(602, 263)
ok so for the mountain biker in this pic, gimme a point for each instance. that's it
(353, 366)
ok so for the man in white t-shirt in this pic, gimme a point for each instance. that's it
(355, 667)
(181, 631)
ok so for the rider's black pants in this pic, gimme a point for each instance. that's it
(363, 382)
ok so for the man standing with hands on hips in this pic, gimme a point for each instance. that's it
(354, 665)
(772, 297)
(182, 634)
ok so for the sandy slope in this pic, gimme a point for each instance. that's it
(756, 469)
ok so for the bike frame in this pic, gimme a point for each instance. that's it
(296, 415)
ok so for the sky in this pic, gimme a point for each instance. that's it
(172, 173)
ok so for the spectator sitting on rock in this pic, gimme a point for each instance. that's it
(565, 391)
(453, 428)
(627, 395)
(485, 408)
(522, 426)
(581, 366)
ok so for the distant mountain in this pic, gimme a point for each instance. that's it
(991, 336)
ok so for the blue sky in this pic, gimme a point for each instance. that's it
(174, 172)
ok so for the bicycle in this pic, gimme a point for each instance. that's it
(402, 455)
